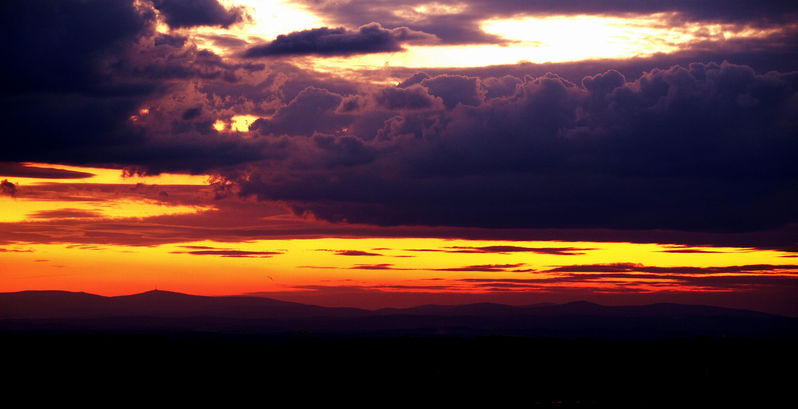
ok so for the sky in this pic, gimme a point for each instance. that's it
(396, 153)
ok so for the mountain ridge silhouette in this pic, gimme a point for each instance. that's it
(157, 311)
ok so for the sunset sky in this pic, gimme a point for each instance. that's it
(375, 153)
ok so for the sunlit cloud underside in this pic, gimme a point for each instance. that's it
(536, 39)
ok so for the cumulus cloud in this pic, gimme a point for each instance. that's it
(369, 38)
(190, 13)
(455, 89)
(704, 147)
(77, 96)
(312, 110)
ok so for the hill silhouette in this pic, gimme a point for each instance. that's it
(576, 355)
(159, 311)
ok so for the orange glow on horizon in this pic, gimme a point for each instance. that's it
(20, 209)
(109, 176)
(214, 268)
(87, 213)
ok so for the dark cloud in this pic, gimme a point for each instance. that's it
(482, 268)
(312, 110)
(191, 113)
(176, 41)
(190, 13)
(375, 267)
(76, 95)
(504, 86)
(62, 95)
(560, 251)
(634, 267)
(455, 89)
(408, 98)
(775, 53)
(486, 268)
(688, 251)
(29, 171)
(230, 253)
(369, 38)
(692, 153)
(706, 147)
(7, 188)
(64, 214)
(344, 151)
(414, 79)
(352, 252)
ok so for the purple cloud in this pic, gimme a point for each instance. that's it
(368, 38)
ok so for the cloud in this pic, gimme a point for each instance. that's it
(311, 111)
(383, 266)
(699, 153)
(705, 147)
(486, 268)
(227, 253)
(560, 251)
(410, 98)
(65, 214)
(459, 23)
(632, 267)
(688, 251)
(7, 188)
(325, 41)
(28, 171)
(455, 89)
(77, 97)
(191, 13)
(351, 252)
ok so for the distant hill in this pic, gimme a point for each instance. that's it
(163, 311)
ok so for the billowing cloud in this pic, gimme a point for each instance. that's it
(190, 13)
(703, 147)
(312, 110)
(78, 96)
(454, 89)
(369, 38)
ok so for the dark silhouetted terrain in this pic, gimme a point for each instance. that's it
(157, 311)
(239, 348)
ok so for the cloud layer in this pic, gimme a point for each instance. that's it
(705, 147)
(369, 38)
(190, 13)
(458, 22)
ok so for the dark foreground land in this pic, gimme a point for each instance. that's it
(494, 371)
(168, 349)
